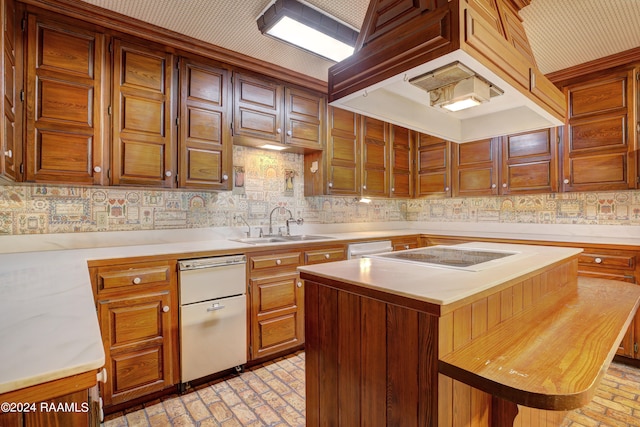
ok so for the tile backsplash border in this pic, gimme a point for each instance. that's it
(271, 179)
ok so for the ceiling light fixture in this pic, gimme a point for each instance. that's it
(306, 27)
(455, 87)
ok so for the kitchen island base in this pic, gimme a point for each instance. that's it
(375, 358)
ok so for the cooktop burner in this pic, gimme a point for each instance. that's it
(447, 256)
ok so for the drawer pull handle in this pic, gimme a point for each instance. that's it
(278, 262)
(215, 307)
(327, 256)
(406, 246)
(101, 376)
(598, 260)
(137, 280)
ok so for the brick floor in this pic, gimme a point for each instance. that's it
(273, 395)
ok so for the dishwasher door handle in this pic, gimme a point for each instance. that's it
(215, 307)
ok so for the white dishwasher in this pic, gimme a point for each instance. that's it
(213, 320)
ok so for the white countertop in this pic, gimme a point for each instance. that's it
(441, 285)
(48, 324)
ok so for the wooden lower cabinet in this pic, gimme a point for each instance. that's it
(407, 242)
(138, 314)
(276, 303)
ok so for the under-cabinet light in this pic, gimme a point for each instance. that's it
(308, 28)
(273, 147)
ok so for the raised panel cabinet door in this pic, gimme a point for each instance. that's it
(205, 148)
(402, 143)
(304, 118)
(11, 130)
(433, 169)
(277, 314)
(143, 120)
(475, 168)
(598, 139)
(257, 108)
(529, 162)
(343, 153)
(138, 344)
(375, 157)
(64, 115)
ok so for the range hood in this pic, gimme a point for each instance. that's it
(415, 57)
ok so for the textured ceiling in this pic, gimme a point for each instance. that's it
(562, 33)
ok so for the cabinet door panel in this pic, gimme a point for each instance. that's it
(205, 146)
(607, 132)
(143, 143)
(599, 170)
(375, 154)
(529, 162)
(64, 140)
(434, 166)
(401, 162)
(258, 111)
(11, 130)
(476, 168)
(304, 114)
(598, 97)
(343, 153)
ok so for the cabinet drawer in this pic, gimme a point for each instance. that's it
(263, 262)
(604, 260)
(324, 255)
(143, 274)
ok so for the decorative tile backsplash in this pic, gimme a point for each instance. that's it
(264, 180)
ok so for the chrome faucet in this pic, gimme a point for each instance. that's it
(241, 218)
(289, 220)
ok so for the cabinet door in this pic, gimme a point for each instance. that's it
(304, 119)
(343, 153)
(433, 175)
(136, 333)
(529, 162)
(143, 120)
(64, 120)
(257, 107)
(375, 155)
(205, 147)
(476, 168)
(401, 161)
(277, 316)
(11, 130)
(598, 154)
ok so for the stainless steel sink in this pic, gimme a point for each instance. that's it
(303, 237)
(279, 239)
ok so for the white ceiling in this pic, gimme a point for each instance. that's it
(562, 33)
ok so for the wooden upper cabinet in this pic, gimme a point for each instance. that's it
(529, 162)
(475, 166)
(599, 137)
(266, 111)
(64, 96)
(205, 148)
(375, 157)
(402, 149)
(11, 130)
(433, 170)
(343, 153)
(143, 119)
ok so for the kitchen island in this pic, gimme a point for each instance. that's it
(397, 343)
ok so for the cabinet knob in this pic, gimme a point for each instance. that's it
(393, 189)
(225, 177)
(278, 262)
(504, 185)
(165, 309)
(598, 260)
(493, 186)
(8, 153)
(278, 130)
(289, 133)
(566, 181)
(168, 173)
(446, 188)
(97, 169)
(137, 280)
(330, 184)
(101, 376)
(406, 246)
(299, 284)
(364, 187)
(327, 256)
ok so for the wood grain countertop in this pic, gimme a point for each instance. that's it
(552, 355)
